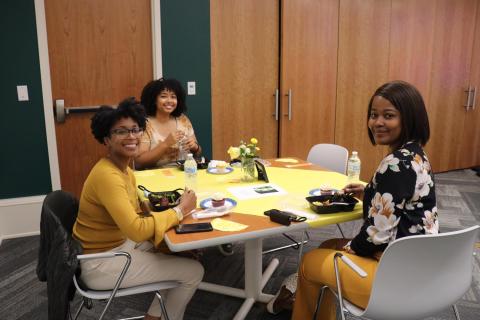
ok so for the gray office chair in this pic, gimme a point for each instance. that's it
(437, 267)
(63, 207)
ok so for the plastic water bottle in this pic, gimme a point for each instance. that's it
(353, 167)
(190, 168)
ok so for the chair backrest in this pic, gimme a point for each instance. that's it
(419, 276)
(64, 206)
(330, 156)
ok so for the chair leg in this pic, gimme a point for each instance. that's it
(341, 231)
(79, 309)
(455, 311)
(296, 244)
(162, 305)
(319, 300)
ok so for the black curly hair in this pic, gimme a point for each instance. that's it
(151, 91)
(106, 117)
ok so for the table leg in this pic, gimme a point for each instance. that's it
(254, 279)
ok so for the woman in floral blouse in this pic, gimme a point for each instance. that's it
(399, 201)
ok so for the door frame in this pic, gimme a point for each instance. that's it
(41, 24)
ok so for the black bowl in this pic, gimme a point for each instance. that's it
(341, 202)
(202, 163)
(158, 202)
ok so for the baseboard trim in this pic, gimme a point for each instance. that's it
(20, 217)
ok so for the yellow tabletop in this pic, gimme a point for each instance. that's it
(296, 182)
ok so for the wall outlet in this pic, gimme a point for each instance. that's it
(22, 93)
(191, 90)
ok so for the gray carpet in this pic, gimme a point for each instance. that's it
(22, 296)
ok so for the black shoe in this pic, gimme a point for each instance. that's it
(226, 249)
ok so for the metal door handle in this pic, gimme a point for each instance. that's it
(289, 95)
(474, 97)
(276, 105)
(61, 112)
(468, 91)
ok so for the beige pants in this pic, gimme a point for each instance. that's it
(147, 267)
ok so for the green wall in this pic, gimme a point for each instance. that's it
(24, 167)
(186, 57)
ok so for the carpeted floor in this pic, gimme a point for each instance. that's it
(22, 296)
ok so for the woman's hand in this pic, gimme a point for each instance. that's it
(174, 138)
(188, 202)
(356, 188)
(190, 143)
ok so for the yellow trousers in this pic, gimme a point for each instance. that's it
(317, 270)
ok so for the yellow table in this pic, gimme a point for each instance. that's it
(296, 182)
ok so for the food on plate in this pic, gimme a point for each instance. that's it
(221, 166)
(218, 199)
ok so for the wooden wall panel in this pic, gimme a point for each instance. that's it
(450, 76)
(411, 43)
(362, 68)
(245, 58)
(470, 149)
(309, 69)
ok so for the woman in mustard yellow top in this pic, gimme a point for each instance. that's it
(109, 219)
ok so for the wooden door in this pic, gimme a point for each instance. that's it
(470, 149)
(100, 53)
(245, 55)
(308, 73)
(362, 68)
(452, 50)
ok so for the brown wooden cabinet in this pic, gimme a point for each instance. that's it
(335, 53)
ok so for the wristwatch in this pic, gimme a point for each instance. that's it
(179, 213)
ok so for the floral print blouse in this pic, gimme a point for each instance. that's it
(399, 201)
(152, 137)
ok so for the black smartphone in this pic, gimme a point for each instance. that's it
(193, 227)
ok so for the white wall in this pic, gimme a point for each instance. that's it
(20, 217)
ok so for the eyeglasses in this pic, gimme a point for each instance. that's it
(124, 132)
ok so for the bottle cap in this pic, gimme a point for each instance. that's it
(354, 153)
(189, 155)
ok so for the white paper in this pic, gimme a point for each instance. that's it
(256, 191)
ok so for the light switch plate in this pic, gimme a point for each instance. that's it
(191, 90)
(22, 93)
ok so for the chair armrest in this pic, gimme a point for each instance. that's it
(103, 255)
(353, 266)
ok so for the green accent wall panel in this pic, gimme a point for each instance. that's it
(186, 57)
(24, 166)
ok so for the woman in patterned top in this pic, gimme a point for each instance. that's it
(169, 134)
(399, 201)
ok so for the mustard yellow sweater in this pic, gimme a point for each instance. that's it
(109, 208)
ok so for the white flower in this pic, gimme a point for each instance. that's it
(415, 229)
(389, 162)
(430, 221)
(424, 180)
(384, 220)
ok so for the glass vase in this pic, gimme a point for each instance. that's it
(248, 169)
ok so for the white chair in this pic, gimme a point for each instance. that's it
(62, 207)
(329, 156)
(416, 277)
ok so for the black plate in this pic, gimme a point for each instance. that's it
(155, 198)
(200, 164)
(345, 203)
